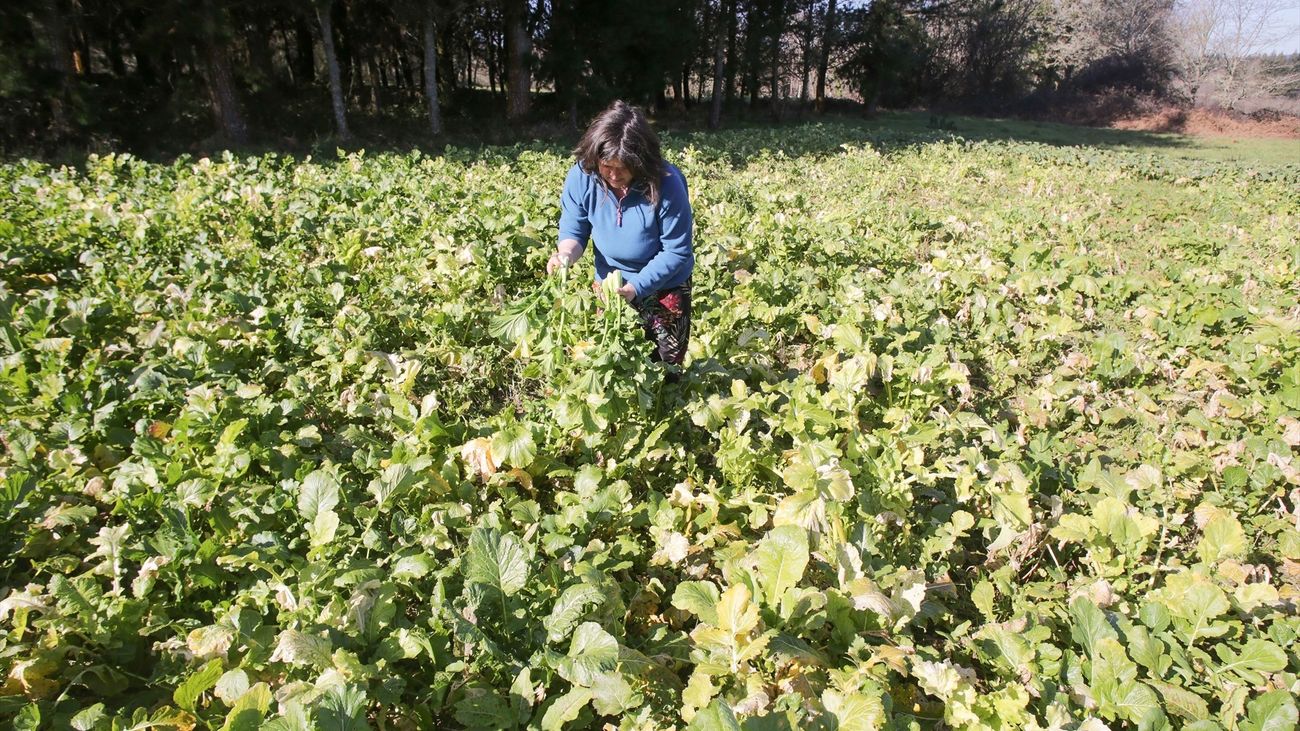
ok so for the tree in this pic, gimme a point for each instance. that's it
(1215, 39)
(431, 67)
(324, 9)
(889, 43)
(1113, 42)
(719, 48)
(221, 79)
(518, 49)
(824, 62)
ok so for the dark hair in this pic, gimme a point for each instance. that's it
(622, 133)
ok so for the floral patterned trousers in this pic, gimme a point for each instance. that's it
(666, 317)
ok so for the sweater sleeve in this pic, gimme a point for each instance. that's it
(676, 223)
(574, 223)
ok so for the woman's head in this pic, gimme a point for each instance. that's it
(620, 147)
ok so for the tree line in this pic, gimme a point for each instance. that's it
(75, 69)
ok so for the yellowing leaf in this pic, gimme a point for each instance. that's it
(1223, 537)
(477, 455)
(735, 612)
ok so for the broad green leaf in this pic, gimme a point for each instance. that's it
(342, 708)
(1272, 711)
(1182, 702)
(496, 560)
(28, 718)
(1011, 510)
(1089, 626)
(323, 528)
(482, 708)
(187, 693)
(804, 509)
(413, 567)
(294, 717)
(565, 708)
(592, 651)
(569, 609)
(612, 696)
(88, 718)
(699, 598)
(522, 695)
(983, 596)
(249, 710)
(393, 483)
(788, 647)
(514, 446)
(717, 716)
(318, 493)
(1223, 538)
(1125, 525)
(855, 711)
(1136, 702)
(779, 561)
(1257, 655)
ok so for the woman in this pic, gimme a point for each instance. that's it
(624, 196)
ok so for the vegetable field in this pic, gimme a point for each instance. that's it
(971, 435)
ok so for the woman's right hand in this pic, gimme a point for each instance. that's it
(557, 261)
(564, 255)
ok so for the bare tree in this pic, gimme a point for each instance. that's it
(1217, 39)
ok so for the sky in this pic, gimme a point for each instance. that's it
(1289, 42)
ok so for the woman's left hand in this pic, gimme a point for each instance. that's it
(628, 291)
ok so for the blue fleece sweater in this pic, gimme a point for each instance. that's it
(651, 248)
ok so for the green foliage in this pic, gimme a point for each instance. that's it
(994, 435)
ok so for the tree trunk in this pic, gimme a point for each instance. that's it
(332, 64)
(518, 48)
(372, 71)
(733, 23)
(491, 61)
(61, 63)
(221, 80)
(431, 68)
(304, 47)
(259, 50)
(828, 39)
(778, 29)
(403, 70)
(806, 60)
(753, 48)
(719, 46)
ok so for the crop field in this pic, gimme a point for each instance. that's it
(971, 434)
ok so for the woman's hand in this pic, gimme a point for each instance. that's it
(557, 261)
(564, 255)
(627, 291)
